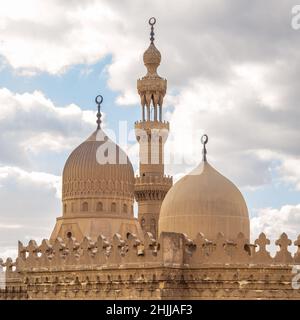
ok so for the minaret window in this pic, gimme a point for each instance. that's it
(85, 206)
(69, 234)
(155, 112)
(125, 208)
(113, 207)
(99, 206)
(65, 208)
(160, 113)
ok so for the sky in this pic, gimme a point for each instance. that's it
(233, 73)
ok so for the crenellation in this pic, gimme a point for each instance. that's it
(58, 253)
(171, 249)
(219, 254)
(87, 254)
(241, 252)
(101, 251)
(261, 255)
(283, 255)
(297, 254)
(72, 251)
(117, 251)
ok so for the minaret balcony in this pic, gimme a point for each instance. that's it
(151, 85)
(153, 182)
(151, 124)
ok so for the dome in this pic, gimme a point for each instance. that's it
(97, 191)
(88, 174)
(207, 202)
(152, 58)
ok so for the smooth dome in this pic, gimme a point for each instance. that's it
(207, 202)
(83, 175)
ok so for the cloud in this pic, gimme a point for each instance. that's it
(31, 126)
(232, 72)
(6, 252)
(54, 36)
(290, 171)
(29, 205)
(196, 37)
(10, 226)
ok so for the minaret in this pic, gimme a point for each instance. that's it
(151, 132)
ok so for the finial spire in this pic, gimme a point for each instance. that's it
(204, 140)
(152, 22)
(98, 101)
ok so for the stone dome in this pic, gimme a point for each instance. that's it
(207, 202)
(85, 176)
(97, 191)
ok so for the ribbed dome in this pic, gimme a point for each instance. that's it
(204, 201)
(84, 176)
(98, 186)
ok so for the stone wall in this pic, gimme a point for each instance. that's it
(174, 267)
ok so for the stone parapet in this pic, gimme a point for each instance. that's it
(174, 267)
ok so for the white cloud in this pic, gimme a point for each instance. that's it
(29, 205)
(290, 171)
(31, 125)
(14, 195)
(235, 79)
(6, 252)
(10, 226)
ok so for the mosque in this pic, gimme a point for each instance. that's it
(191, 239)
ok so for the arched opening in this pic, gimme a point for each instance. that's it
(65, 208)
(125, 208)
(85, 206)
(69, 234)
(113, 207)
(99, 206)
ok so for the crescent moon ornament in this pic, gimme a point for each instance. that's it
(152, 22)
(204, 140)
(99, 100)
